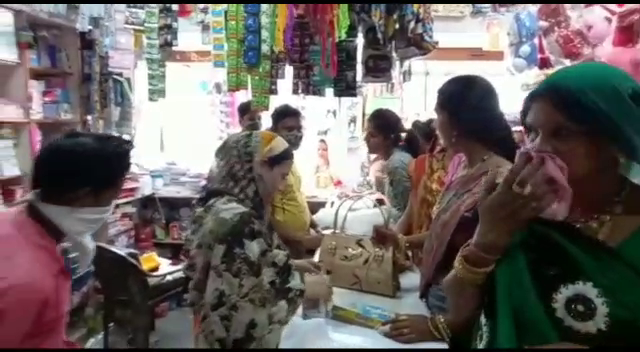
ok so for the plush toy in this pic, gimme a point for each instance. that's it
(522, 35)
(563, 38)
(597, 23)
(544, 60)
(624, 52)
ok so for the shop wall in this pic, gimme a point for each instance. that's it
(428, 76)
(180, 128)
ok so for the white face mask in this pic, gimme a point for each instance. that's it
(78, 224)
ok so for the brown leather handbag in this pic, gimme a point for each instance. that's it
(353, 262)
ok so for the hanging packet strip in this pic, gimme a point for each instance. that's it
(233, 47)
(243, 70)
(156, 72)
(261, 82)
(344, 21)
(251, 55)
(281, 25)
(218, 35)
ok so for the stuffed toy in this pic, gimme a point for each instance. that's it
(597, 23)
(564, 40)
(623, 52)
(522, 36)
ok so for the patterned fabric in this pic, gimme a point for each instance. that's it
(428, 187)
(398, 187)
(244, 289)
(428, 191)
(457, 199)
(571, 288)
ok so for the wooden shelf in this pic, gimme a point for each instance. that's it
(14, 121)
(464, 54)
(55, 121)
(47, 72)
(6, 62)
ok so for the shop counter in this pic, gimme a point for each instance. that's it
(342, 335)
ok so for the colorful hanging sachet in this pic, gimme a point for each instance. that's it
(345, 82)
(262, 38)
(237, 76)
(218, 35)
(261, 71)
(156, 65)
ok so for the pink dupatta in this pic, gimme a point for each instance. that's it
(459, 196)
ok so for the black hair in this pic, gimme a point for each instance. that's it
(388, 124)
(81, 161)
(473, 110)
(566, 102)
(420, 131)
(283, 112)
(244, 109)
(275, 160)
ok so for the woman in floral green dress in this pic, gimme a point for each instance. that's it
(245, 287)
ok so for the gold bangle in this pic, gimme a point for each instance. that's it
(466, 272)
(442, 324)
(433, 329)
(469, 247)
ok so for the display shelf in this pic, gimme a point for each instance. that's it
(48, 72)
(65, 75)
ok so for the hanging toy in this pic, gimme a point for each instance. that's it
(522, 35)
(563, 38)
(597, 23)
(544, 60)
(624, 52)
(185, 10)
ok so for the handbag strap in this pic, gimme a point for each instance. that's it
(356, 199)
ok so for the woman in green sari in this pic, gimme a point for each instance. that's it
(527, 282)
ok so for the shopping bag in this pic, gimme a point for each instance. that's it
(354, 262)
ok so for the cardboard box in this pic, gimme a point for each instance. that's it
(363, 315)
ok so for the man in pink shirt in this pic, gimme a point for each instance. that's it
(75, 180)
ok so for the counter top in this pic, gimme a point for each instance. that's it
(344, 335)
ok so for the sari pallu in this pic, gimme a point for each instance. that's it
(427, 176)
(458, 198)
(556, 284)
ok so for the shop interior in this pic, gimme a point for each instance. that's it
(170, 77)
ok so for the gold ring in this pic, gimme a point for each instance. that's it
(521, 190)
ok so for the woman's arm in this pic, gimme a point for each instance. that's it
(402, 226)
(240, 282)
(399, 184)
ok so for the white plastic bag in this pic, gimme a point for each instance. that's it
(361, 215)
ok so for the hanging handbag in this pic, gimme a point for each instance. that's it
(354, 262)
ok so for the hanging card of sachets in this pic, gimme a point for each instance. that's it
(233, 47)
(218, 35)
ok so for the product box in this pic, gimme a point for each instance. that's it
(364, 315)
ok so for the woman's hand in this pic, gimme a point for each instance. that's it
(306, 266)
(504, 208)
(408, 328)
(385, 236)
